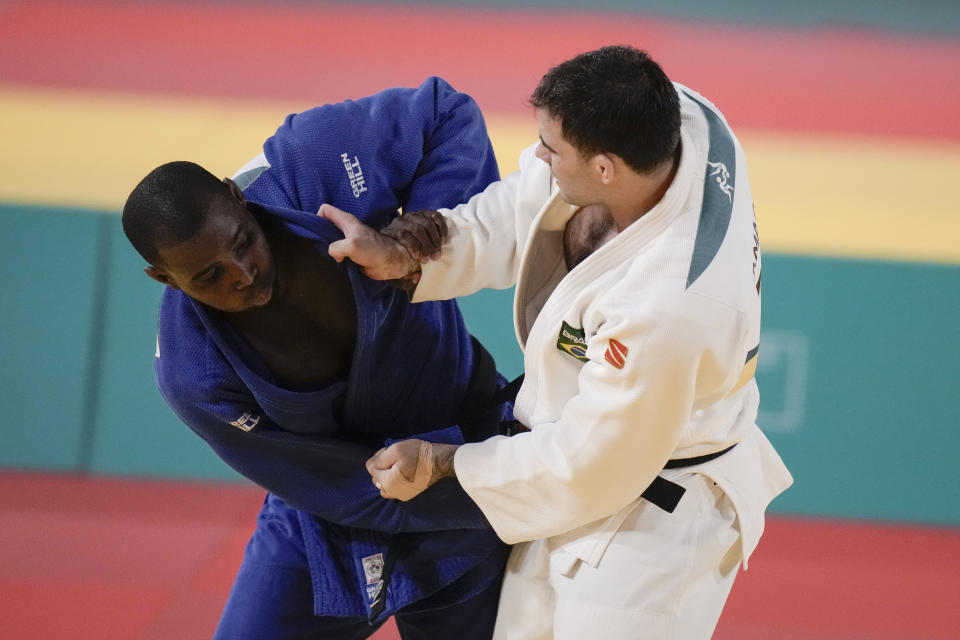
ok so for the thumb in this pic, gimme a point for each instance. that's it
(384, 458)
(339, 249)
(371, 463)
(348, 223)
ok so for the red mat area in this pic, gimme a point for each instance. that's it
(109, 559)
(117, 559)
(833, 80)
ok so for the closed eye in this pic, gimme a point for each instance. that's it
(245, 243)
(210, 276)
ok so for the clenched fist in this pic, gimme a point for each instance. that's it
(405, 469)
(421, 232)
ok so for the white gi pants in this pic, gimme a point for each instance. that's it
(663, 576)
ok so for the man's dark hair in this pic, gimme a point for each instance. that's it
(617, 100)
(169, 206)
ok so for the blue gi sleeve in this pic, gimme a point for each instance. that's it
(323, 476)
(422, 148)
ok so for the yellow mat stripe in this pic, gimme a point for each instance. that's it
(855, 197)
(746, 375)
(821, 195)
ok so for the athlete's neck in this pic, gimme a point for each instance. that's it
(638, 193)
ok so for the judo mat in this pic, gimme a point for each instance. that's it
(849, 132)
(136, 559)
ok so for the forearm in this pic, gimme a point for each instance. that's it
(326, 477)
(487, 234)
(329, 482)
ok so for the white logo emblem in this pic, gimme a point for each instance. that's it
(354, 173)
(246, 422)
(720, 170)
(373, 568)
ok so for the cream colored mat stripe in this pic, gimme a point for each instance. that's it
(820, 195)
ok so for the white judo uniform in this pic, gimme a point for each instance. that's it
(642, 353)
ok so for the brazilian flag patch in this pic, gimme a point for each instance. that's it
(573, 341)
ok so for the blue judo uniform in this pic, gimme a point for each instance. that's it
(331, 557)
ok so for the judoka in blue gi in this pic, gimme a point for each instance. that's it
(295, 369)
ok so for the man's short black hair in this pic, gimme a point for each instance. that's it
(169, 206)
(617, 100)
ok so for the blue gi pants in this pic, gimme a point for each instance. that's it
(272, 596)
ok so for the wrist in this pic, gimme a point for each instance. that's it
(442, 455)
(413, 277)
(412, 266)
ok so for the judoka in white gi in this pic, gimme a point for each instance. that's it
(630, 233)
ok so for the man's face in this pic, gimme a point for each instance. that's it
(570, 169)
(227, 264)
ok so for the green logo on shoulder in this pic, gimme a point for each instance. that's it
(573, 341)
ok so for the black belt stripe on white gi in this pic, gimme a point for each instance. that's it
(666, 494)
(661, 492)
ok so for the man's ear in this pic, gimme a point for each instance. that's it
(235, 190)
(160, 276)
(605, 166)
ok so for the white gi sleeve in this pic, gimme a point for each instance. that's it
(614, 436)
(487, 234)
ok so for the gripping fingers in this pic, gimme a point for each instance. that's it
(433, 227)
(421, 232)
(439, 227)
(411, 242)
(373, 463)
(423, 224)
(409, 236)
(394, 484)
